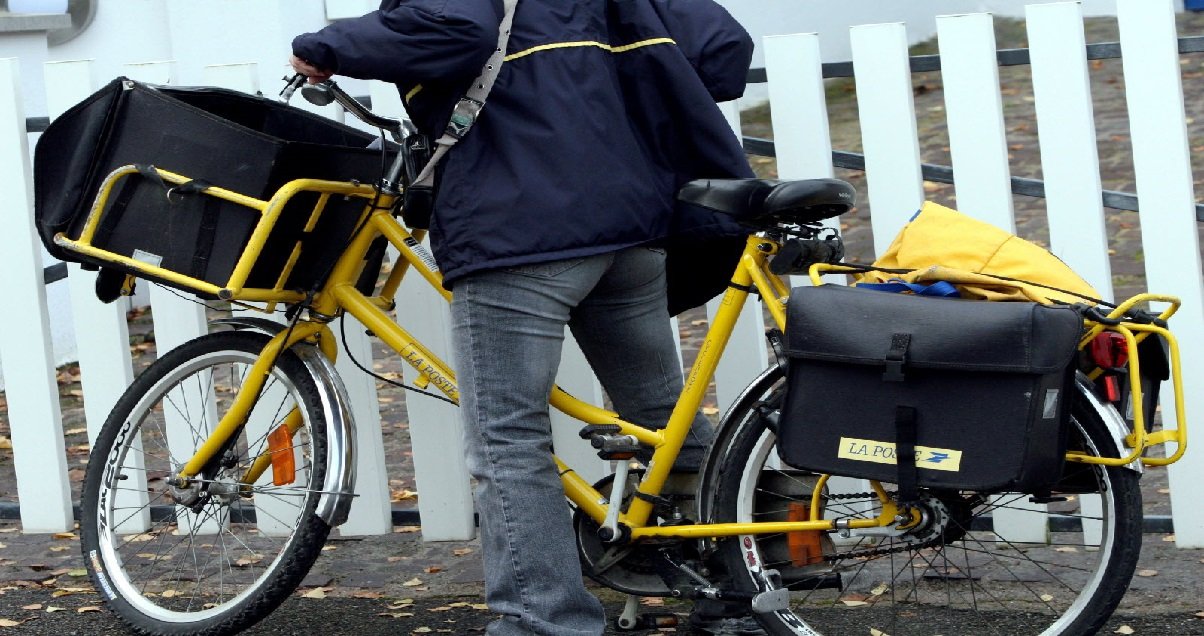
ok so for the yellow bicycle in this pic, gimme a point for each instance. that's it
(220, 472)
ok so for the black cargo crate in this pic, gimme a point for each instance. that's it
(980, 390)
(238, 142)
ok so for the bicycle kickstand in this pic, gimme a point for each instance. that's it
(631, 620)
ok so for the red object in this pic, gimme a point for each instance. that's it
(1109, 350)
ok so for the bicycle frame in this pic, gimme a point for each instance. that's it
(339, 294)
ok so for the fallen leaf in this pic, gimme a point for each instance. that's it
(329, 548)
(433, 569)
(698, 323)
(75, 431)
(880, 590)
(403, 494)
(78, 572)
(1199, 614)
(483, 606)
(395, 559)
(64, 535)
(2, 546)
(367, 594)
(652, 601)
(854, 603)
(1124, 629)
(441, 608)
(6, 444)
(1170, 538)
(407, 529)
(248, 560)
(422, 630)
(413, 582)
(396, 614)
(317, 592)
(1047, 597)
(87, 608)
(1068, 548)
(1147, 573)
(169, 594)
(710, 410)
(57, 548)
(50, 582)
(461, 551)
(35, 606)
(52, 609)
(4, 622)
(877, 632)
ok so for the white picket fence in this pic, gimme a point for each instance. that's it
(884, 92)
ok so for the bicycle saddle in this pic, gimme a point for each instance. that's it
(771, 201)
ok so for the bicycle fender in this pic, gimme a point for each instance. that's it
(1111, 418)
(338, 490)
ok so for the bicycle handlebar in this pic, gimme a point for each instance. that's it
(324, 93)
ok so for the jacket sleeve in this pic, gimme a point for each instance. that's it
(414, 41)
(717, 46)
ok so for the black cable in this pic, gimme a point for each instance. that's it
(347, 350)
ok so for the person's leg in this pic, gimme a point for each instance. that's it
(509, 328)
(624, 330)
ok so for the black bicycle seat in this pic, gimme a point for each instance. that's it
(771, 201)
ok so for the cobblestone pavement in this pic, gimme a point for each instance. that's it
(362, 565)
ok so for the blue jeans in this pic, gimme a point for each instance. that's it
(509, 330)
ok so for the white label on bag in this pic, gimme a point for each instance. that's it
(869, 450)
(154, 260)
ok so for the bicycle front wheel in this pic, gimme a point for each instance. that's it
(220, 554)
(967, 571)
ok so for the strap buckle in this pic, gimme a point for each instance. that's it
(463, 116)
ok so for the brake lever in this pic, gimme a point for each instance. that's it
(291, 84)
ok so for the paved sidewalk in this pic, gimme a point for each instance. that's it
(363, 582)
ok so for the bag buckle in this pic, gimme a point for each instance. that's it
(463, 116)
(896, 357)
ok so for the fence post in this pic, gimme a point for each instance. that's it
(102, 335)
(888, 127)
(436, 434)
(974, 111)
(801, 135)
(1169, 230)
(746, 353)
(1066, 129)
(39, 457)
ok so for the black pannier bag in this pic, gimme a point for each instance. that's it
(928, 392)
(243, 143)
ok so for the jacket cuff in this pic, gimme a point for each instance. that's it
(312, 49)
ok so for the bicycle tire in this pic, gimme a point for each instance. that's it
(225, 565)
(965, 581)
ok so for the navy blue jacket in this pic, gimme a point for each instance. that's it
(603, 109)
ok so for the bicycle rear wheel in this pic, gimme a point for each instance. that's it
(964, 573)
(220, 555)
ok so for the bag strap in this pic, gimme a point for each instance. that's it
(905, 454)
(468, 109)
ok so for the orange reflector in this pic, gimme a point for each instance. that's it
(805, 547)
(280, 446)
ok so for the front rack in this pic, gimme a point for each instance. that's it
(235, 288)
